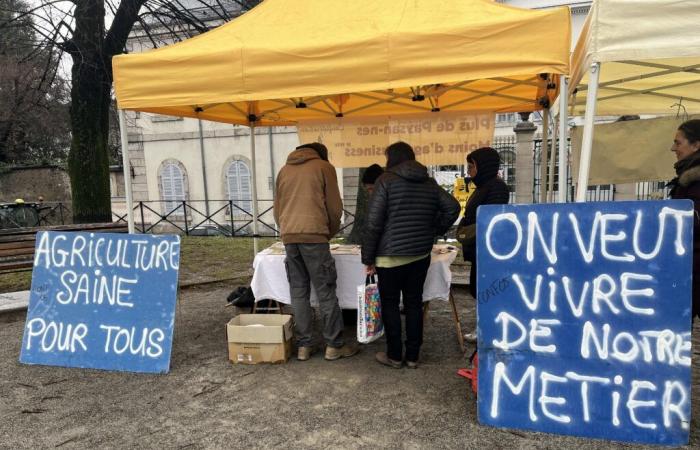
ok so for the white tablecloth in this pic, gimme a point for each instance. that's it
(270, 278)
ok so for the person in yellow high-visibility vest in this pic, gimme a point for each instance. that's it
(462, 191)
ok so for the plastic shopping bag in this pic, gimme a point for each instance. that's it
(369, 312)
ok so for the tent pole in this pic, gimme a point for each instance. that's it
(254, 182)
(204, 169)
(563, 147)
(124, 138)
(544, 154)
(552, 162)
(587, 141)
(272, 158)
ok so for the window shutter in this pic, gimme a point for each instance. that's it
(173, 183)
(238, 180)
(244, 180)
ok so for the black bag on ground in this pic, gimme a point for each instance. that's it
(242, 297)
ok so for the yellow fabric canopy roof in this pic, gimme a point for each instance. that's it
(288, 61)
(650, 55)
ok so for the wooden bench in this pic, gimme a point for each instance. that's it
(17, 244)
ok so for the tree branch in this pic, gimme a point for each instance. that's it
(124, 20)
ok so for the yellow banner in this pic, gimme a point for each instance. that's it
(440, 138)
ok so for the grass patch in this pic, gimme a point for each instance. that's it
(217, 257)
(13, 282)
(203, 258)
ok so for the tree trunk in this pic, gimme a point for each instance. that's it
(88, 160)
(355, 236)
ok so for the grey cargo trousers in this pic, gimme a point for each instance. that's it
(313, 264)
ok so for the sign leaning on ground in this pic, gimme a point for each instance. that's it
(102, 301)
(584, 318)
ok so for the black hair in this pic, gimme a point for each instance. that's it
(488, 161)
(397, 153)
(319, 148)
(372, 173)
(691, 130)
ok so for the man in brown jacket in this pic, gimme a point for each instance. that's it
(308, 210)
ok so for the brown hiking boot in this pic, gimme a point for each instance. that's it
(346, 351)
(382, 358)
(304, 353)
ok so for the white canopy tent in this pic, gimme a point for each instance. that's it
(634, 57)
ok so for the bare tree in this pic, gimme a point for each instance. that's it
(91, 32)
(33, 98)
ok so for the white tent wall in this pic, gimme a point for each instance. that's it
(630, 151)
(648, 53)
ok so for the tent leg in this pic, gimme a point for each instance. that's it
(563, 142)
(552, 162)
(587, 141)
(254, 182)
(544, 154)
(204, 169)
(124, 137)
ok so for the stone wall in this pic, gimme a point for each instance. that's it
(28, 183)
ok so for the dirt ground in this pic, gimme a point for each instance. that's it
(206, 402)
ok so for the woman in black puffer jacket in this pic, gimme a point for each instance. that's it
(407, 210)
(482, 166)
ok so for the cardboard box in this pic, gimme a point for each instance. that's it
(259, 338)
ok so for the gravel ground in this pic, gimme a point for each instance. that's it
(206, 402)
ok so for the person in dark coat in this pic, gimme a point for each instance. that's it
(686, 185)
(482, 167)
(369, 177)
(406, 212)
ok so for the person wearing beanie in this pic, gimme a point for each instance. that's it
(370, 176)
(686, 146)
(482, 167)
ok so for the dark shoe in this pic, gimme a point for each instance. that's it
(412, 364)
(382, 358)
(346, 351)
(304, 353)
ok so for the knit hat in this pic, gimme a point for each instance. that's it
(372, 173)
(487, 162)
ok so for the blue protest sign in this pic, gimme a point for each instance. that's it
(584, 317)
(102, 301)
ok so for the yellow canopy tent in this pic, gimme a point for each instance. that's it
(635, 57)
(284, 62)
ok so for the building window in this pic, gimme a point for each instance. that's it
(506, 118)
(238, 183)
(172, 184)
